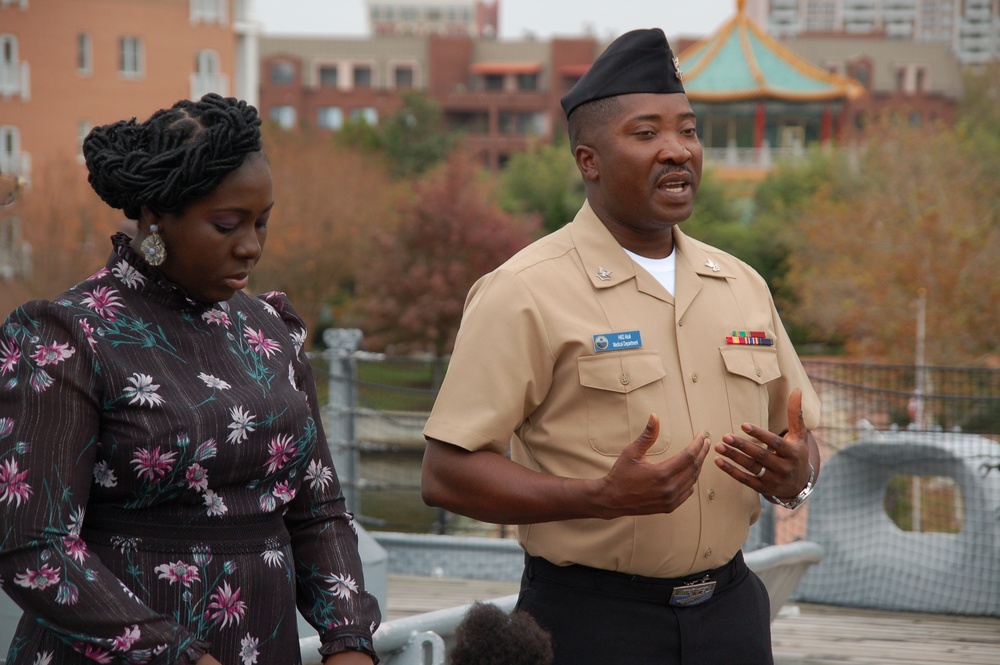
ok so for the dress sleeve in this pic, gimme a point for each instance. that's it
(51, 397)
(329, 576)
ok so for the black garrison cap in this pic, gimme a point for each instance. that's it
(638, 61)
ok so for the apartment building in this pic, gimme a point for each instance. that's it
(971, 28)
(457, 18)
(68, 65)
(503, 94)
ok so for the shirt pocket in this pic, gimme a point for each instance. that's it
(621, 390)
(748, 372)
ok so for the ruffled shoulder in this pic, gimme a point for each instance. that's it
(279, 302)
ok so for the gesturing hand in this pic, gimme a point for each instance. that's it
(778, 468)
(636, 486)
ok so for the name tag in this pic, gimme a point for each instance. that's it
(619, 341)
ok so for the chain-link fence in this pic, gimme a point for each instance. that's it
(377, 405)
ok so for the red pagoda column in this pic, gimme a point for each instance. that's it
(759, 122)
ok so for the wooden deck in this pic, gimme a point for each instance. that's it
(803, 634)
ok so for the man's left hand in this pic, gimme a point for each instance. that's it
(778, 468)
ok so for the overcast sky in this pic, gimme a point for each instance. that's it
(543, 18)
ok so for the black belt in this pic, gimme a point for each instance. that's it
(677, 591)
(156, 531)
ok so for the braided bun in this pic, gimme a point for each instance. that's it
(177, 156)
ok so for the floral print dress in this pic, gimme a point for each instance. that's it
(165, 484)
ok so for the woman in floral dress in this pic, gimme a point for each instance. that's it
(166, 490)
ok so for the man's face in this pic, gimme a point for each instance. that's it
(645, 167)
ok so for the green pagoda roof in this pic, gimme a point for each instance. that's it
(741, 62)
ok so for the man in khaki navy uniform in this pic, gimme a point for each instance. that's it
(607, 357)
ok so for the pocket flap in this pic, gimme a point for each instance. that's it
(759, 364)
(620, 373)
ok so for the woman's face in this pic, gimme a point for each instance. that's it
(214, 244)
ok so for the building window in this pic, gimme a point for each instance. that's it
(329, 76)
(493, 82)
(82, 129)
(862, 73)
(367, 115)
(130, 57)
(208, 11)
(362, 76)
(900, 74)
(13, 72)
(402, 77)
(330, 117)
(285, 116)
(920, 80)
(282, 73)
(207, 76)
(526, 82)
(84, 54)
(10, 150)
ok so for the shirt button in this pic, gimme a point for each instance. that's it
(757, 370)
(624, 379)
(708, 552)
(711, 495)
(694, 378)
(681, 322)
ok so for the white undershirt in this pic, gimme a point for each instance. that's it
(662, 269)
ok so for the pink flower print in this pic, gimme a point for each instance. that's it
(94, 653)
(38, 579)
(216, 316)
(226, 606)
(178, 572)
(125, 641)
(259, 343)
(88, 332)
(6, 426)
(41, 381)
(283, 492)
(53, 354)
(342, 587)
(10, 355)
(152, 464)
(97, 275)
(282, 450)
(104, 301)
(197, 477)
(75, 548)
(67, 594)
(13, 489)
(206, 450)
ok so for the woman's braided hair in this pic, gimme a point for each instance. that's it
(177, 156)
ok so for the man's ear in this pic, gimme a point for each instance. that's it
(587, 161)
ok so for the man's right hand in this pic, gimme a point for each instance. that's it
(487, 486)
(636, 486)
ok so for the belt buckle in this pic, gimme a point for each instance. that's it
(692, 593)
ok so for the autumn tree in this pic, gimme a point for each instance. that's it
(918, 212)
(544, 181)
(65, 229)
(329, 201)
(413, 288)
(412, 140)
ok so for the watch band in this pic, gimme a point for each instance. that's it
(801, 497)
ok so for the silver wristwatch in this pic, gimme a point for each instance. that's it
(801, 497)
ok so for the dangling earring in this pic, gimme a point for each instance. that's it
(153, 249)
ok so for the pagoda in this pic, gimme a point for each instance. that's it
(756, 99)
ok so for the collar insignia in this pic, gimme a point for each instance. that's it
(603, 274)
(713, 265)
